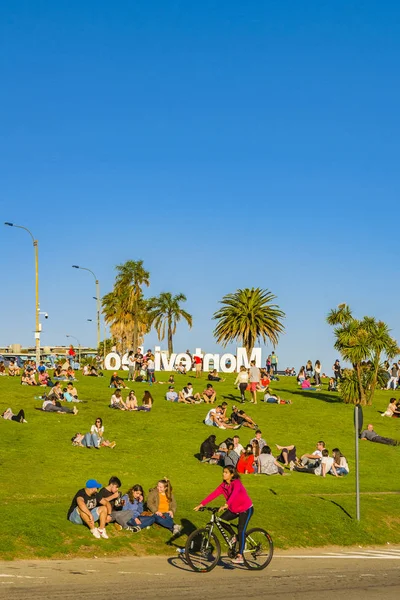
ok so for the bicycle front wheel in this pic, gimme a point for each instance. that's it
(202, 550)
(258, 549)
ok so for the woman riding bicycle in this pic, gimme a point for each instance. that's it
(238, 505)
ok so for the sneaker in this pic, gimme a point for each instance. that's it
(75, 410)
(117, 526)
(24, 421)
(113, 444)
(237, 427)
(238, 560)
(291, 465)
(177, 529)
(96, 533)
(103, 533)
(133, 529)
(221, 427)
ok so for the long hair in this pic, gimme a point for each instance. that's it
(337, 455)
(101, 421)
(168, 488)
(146, 397)
(255, 448)
(232, 471)
(134, 488)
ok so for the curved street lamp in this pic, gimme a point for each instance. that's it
(97, 298)
(37, 309)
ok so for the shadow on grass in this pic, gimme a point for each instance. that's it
(325, 397)
(336, 504)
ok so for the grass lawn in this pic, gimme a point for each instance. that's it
(41, 470)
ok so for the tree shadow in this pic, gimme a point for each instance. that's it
(329, 397)
(336, 504)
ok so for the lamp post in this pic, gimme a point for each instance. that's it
(97, 298)
(79, 346)
(37, 309)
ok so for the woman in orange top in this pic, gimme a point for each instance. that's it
(162, 504)
(246, 460)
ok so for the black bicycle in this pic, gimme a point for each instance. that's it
(203, 549)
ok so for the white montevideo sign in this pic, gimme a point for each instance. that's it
(226, 363)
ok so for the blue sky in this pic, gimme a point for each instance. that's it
(227, 144)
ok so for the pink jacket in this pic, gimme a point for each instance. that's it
(235, 495)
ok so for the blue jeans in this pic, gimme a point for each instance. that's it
(91, 439)
(341, 471)
(164, 521)
(144, 522)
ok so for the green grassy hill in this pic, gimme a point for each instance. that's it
(41, 470)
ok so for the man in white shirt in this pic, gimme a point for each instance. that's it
(327, 464)
(237, 446)
(309, 462)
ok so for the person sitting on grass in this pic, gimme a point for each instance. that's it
(246, 461)
(332, 385)
(131, 401)
(132, 508)
(172, 395)
(71, 393)
(161, 502)
(28, 377)
(327, 465)
(56, 391)
(147, 402)
(188, 396)
(181, 368)
(209, 394)
(214, 419)
(340, 463)
(109, 496)
(8, 415)
(287, 455)
(213, 376)
(370, 435)
(43, 378)
(93, 439)
(306, 385)
(392, 410)
(70, 374)
(117, 401)
(237, 446)
(171, 379)
(231, 458)
(116, 381)
(53, 405)
(240, 418)
(267, 464)
(84, 509)
(208, 448)
(259, 439)
(3, 369)
(13, 369)
(309, 462)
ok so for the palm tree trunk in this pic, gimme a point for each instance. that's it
(135, 327)
(363, 399)
(170, 344)
(371, 391)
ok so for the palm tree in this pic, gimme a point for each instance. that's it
(165, 313)
(125, 308)
(363, 343)
(247, 316)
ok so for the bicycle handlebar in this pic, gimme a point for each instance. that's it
(213, 509)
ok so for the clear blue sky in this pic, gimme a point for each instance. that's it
(226, 143)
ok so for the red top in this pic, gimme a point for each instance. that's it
(71, 352)
(197, 359)
(245, 463)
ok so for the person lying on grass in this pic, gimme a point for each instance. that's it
(162, 504)
(85, 510)
(371, 435)
(241, 419)
(53, 405)
(8, 415)
(272, 398)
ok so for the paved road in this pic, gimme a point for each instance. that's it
(370, 574)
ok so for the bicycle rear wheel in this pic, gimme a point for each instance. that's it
(258, 549)
(202, 550)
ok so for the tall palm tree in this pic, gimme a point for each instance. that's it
(248, 316)
(125, 308)
(165, 313)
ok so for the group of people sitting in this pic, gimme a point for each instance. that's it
(217, 417)
(131, 403)
(257, 457)
(96, 506)
(188, 396)
(13, 369)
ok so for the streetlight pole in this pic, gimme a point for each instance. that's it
(97, 298)
(37, 308)
(79, 347)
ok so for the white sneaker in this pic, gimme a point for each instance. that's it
(221, 427)
(103, 533)
(177, 529)
(96, 533)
